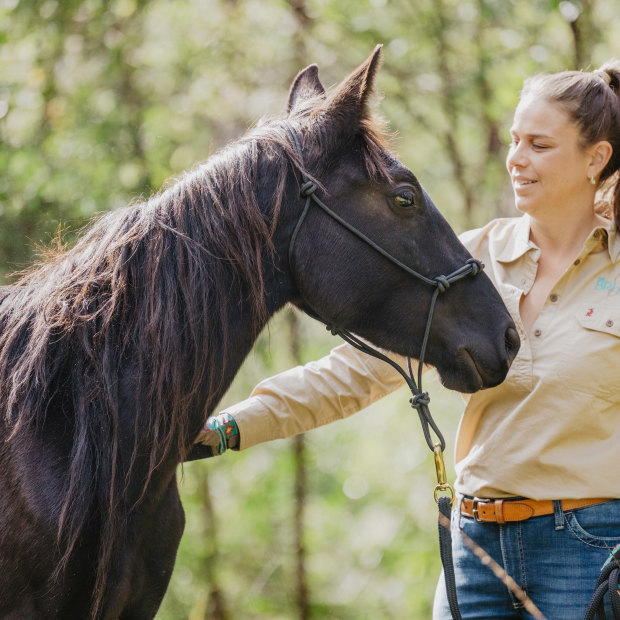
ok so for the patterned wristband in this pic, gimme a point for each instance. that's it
(227, 430)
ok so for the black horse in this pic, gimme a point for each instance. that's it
(113, 353)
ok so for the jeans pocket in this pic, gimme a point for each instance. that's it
(597, 526)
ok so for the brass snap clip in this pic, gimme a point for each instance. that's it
(442, 480)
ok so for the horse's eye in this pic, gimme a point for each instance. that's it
(404, 198)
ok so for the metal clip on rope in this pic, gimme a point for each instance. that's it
(442, 481)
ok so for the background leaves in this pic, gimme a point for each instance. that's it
(102, 101)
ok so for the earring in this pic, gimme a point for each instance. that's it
(592, 181)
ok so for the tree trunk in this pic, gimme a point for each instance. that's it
(216, 605)
(299, 451)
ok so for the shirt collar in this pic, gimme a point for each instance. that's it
(518, 243)
(613, 241)
(604, 238)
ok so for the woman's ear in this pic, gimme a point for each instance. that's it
(600, 153)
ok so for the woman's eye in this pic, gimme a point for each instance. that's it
(405, 198)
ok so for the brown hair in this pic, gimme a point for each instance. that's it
(593, 102)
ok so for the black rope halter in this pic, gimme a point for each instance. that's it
(419, 399)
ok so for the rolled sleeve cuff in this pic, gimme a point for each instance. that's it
(257, 423)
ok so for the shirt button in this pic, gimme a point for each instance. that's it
(577, 261)
(609, 323)
(596, 235)
(537, 333)
(553, 297)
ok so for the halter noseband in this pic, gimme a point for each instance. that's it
(419, 399)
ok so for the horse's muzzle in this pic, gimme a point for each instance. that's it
(513, 342)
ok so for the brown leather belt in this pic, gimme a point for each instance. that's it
(507, 510)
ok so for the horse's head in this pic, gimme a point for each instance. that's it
(348, 283)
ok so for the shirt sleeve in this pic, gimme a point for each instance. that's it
(305, 397)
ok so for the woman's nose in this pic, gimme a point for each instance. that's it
(515, 157)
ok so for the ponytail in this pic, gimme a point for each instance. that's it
(610, 74)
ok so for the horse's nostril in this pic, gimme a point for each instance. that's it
(512, 342)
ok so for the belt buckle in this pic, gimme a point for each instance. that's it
(474, 509)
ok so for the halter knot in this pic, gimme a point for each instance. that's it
(308, 188)
(476, 265)
(443, 284)
(420, 399)
(332, 329)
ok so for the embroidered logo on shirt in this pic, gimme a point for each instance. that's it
(603, 284)
(589, 312)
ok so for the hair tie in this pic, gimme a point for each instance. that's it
(603, 75)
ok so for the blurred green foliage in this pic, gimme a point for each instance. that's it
(102, 101)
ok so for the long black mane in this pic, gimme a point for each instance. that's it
(145, 291)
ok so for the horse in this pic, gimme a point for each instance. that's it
(115, 351)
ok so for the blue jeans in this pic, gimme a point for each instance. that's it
(555, 559)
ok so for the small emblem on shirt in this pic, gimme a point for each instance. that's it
(589, 312)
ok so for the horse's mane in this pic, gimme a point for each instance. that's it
(148, 284)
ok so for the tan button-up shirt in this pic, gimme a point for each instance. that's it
(551, 430)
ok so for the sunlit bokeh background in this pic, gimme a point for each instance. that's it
(101, 102)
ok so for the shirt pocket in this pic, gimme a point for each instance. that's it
(602, 317)
(597, 347)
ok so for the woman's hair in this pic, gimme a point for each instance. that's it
(593, 102)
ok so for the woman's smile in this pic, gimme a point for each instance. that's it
(521, 184)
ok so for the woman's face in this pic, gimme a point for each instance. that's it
(547, 166)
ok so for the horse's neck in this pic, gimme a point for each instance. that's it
(242, 327)
(243, 330)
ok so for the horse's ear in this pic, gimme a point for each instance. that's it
(305, 86)
(350, 99)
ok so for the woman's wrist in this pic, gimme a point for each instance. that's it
(220, 433)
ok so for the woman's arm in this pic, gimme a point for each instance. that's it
(309, 396)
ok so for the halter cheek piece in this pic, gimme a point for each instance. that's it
(441, 284)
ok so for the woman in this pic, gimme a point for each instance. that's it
(537, 457)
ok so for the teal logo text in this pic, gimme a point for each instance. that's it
(603, 284)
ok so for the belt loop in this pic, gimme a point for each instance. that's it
(457, 511)
(499, 511)
(558, 513)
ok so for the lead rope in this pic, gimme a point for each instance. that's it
(419, 399)
(607, 582)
